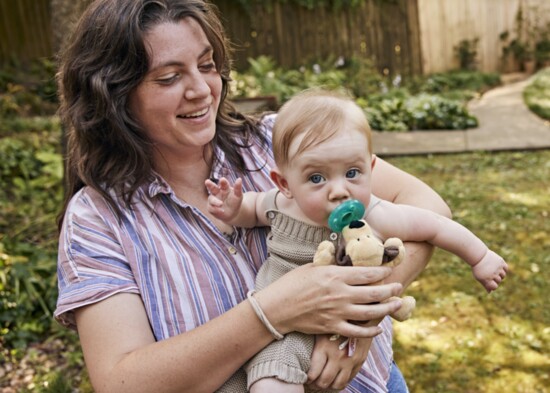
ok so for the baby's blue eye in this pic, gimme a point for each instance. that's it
(352, 173)
(316, 179)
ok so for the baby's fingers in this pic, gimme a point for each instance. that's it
(212, 187)
(490, 286)
(214, 201)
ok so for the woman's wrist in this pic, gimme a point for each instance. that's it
(262, 317)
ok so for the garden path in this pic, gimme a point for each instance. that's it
(505, 123)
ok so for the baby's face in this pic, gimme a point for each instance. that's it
(326, 175)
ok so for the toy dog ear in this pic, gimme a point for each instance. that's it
(390, 253)
(341, 258)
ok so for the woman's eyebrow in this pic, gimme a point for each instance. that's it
(171, 63)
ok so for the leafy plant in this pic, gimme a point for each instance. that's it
(27, 89)
(264, 77)
(420, 112)
(30, 171)
(537, 94)
(467, 83)
(434, 102)
(466, 53)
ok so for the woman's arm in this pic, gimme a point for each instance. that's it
(394, 185)
(397, 186)
(122, 356)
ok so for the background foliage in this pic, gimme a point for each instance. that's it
(434, 102)
(537, 94)
(459, 340)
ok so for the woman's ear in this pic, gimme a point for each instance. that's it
(280, 182)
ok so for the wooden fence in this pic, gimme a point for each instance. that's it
(25, 30)
(400, 36)
(384, 31)
(444, 23)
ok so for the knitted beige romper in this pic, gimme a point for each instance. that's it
(290, 244)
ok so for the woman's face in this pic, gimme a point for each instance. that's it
(178, 99)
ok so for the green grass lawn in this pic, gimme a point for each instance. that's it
(460, 339)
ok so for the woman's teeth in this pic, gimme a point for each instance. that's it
(195, 114)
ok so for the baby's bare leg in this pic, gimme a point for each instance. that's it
(273, 385)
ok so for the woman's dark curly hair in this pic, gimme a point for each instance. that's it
(104, 61)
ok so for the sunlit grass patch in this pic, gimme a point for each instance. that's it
(461, 339)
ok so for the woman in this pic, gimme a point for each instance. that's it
(155, 284)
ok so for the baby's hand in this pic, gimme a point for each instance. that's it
(224, 200)
(490, 271)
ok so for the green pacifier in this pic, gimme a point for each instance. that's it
(345, 213)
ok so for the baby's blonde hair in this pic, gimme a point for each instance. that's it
(318, 113)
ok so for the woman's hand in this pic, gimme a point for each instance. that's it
(326, 299)
(331, 367)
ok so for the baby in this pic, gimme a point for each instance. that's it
(322, 148)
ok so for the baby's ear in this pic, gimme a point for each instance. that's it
(281, 182)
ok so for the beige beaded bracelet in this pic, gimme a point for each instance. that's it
(260, 313)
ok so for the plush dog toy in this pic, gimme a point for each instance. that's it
(361, 248)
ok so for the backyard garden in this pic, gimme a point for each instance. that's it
(459, 340)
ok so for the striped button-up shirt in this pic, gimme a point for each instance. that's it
(186, 271)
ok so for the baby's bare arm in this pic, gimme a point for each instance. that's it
(410, 223)
(414, 224)
(228, 203)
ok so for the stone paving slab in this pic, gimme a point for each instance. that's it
(505, 123)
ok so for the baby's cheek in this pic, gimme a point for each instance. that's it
(316, 211)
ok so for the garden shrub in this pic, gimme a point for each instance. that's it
(466, 82)
(30, 197)
(434, 102)
(27, 89)
(537, 94)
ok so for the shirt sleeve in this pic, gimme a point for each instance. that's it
(91, 263)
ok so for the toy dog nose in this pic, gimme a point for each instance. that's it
(390, 253)
(356, 224)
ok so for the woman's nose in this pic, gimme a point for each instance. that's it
(196, 87)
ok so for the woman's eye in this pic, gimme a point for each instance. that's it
(208, 67)
(167, 80)
(352, 173)
(316, 179)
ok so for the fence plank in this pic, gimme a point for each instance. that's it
(25, 31)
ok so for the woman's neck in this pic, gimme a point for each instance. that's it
(186, 177)
(184, 171)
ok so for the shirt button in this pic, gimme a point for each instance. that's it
(232, 250)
